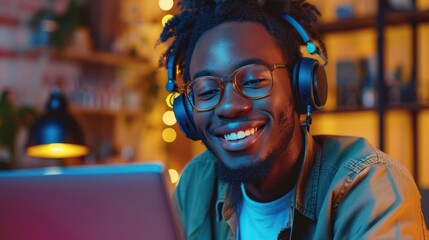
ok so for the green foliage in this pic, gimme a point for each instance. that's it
(74, 16)
(11, 119)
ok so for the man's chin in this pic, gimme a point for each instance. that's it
(243, 173)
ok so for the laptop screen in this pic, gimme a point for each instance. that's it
(130, 201)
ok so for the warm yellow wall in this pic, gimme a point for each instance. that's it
(398, 137)
(398, 51)
(422, 4)
(423, 61)
(423, 93)
(364, 124)
(423, 122)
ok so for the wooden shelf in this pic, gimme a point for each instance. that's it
(96, 58)
(102, 112)
(102, 58)
(408, 106)
(392, 18)
(7, 53)
(358, 109)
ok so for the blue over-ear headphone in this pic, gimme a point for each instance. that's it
(309, 84)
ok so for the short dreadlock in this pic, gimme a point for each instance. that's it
(198, 16)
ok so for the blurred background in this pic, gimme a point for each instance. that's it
(103, 57)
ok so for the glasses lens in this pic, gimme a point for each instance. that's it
(205, 92)
(254, 81)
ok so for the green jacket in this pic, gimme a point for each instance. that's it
(347, 190)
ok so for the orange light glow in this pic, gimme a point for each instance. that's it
(57, 150)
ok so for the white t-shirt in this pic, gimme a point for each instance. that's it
(263, 221)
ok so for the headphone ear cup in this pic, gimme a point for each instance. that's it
(310, 85)
(184, 113)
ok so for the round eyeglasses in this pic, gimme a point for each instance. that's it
(252, 81)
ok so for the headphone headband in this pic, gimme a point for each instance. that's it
(309, 45)
(171, 73)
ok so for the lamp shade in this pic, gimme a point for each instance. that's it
(56, 134)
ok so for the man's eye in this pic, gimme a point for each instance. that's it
(207, 94)
(255, 83)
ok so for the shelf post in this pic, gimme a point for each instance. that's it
(415, 100)
(381, 88)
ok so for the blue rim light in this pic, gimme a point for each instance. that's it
(130, 168)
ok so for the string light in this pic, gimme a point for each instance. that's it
(174, 175)
(165, 4)
(166, 18)
(170, 99)
(169, 135)
(168, 118)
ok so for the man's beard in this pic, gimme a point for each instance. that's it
(261, 167)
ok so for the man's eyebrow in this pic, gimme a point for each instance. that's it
(249, 61)
(203, 73)
(236, 66)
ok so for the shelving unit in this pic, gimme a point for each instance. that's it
(392, 18)
(386, 18)
(103, 58)
(97, 58)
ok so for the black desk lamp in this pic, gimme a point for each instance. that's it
(56, 134)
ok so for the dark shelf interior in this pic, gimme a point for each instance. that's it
(391, 18)
(412, 107)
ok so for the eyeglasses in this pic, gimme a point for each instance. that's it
(252, 81)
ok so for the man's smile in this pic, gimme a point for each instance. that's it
(240, 139)
(240, 134)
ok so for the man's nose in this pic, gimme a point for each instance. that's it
(232, 104)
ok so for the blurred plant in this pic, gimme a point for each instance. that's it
(74, 16)
(11, 119)
(149, 91)
(52, 30)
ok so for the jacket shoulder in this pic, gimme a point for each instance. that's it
(368, 188)
(201, 169)
(356, 154)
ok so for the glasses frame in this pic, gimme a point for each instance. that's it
(230, 78)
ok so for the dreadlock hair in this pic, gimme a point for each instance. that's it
(198, 16)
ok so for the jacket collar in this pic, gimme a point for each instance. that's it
(306, 188)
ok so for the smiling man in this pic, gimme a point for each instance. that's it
(250, 137)
(263, 175)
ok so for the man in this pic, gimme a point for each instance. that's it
(263, 175)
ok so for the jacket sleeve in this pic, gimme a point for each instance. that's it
(193, 197)
(378, 201)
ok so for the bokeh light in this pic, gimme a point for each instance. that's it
(169, 135)
(166, 4)
(174, 175)
(168, 118)
(166, 18)
(170, 99)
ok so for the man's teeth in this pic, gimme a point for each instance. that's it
(240, 134)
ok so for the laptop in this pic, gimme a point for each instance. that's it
(101, 202)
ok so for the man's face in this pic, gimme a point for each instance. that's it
(269, 123)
